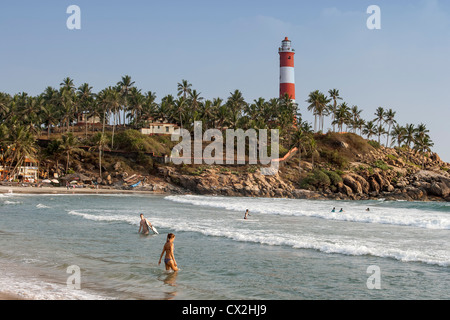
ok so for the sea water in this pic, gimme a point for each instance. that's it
(287, 249)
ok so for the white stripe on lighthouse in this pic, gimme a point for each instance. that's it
(287, 75)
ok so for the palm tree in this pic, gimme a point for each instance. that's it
(236, 103)
(21, 145)
(124, 86)
(389, 119)
(421, 131)
(379, 113)
(410, 131)
(4, 105)
(423, 144)
(302, 140)
(334, 95)
(355, 116)
(318, 104)
(398, 134)
(85, 97)
(69, 145)
(342, 115)
(137, 101)
(180, 105)
(114, 100)
(369, 129)
(195, 100)
(184, 89)
(66, 99)
(48, 117)
(380, 130)
(100, 144)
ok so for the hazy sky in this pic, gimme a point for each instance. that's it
(220, 46)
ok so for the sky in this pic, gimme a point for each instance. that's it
(221, 46)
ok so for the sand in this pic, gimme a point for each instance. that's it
(64, 190)
(8, 296)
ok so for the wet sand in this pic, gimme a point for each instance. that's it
(64, 190)
(8, 296)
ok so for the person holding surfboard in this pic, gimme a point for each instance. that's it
(169, 259)
(145, 225)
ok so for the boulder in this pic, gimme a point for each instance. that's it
(439, 189)
(374, 185)
(352, 183)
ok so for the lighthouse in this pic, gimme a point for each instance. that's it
(287, 79)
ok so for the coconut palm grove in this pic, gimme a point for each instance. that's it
(70, 117)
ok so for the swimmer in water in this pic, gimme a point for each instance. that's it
(169, 259)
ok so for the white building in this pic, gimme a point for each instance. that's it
(159, 128)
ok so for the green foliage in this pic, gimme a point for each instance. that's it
(134, 141)
(144, 161)
(392, 157)
(316, 179)
(381, 165)
(335, 158)
(335, 178)
(374, 144)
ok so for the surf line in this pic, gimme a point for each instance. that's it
(199, 310)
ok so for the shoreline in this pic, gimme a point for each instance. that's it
(64, 190)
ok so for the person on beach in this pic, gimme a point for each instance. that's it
(246, 214)
(143, 225)
(169, 259)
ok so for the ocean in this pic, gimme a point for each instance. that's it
(87, 247)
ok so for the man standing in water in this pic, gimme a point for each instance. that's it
(169, 259)
(144, 225)
(246, 214)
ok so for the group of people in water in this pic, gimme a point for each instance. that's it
(342, 210)
(168, 249)
(169, 259)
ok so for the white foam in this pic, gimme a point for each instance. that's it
(320, 209)
(337, 244)
(11, 202)
(42, 206)
(27, 287)
(106, 218)
(265, 233)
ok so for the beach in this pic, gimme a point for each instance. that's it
(64, 190)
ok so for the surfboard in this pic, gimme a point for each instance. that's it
(152, 228)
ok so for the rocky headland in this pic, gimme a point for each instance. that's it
(346, 167)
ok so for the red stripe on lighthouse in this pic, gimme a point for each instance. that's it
(288, 88)
(286, 59)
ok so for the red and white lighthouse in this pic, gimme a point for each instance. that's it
(287, 79)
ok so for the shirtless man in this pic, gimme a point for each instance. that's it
(169, 259)
(143, 225)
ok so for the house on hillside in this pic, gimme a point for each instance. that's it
(82, 118)
(159, 128)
